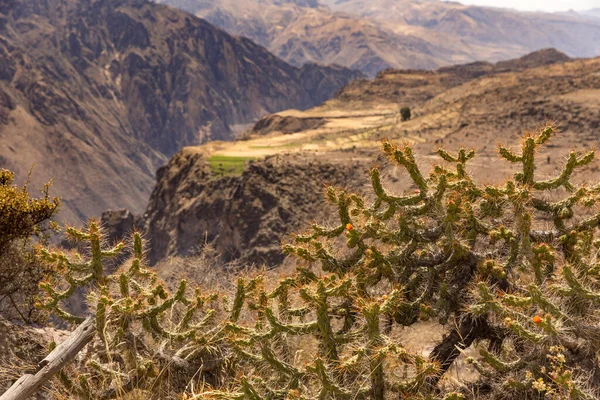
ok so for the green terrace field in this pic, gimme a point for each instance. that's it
(228, 165)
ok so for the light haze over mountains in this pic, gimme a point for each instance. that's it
(536, 5)
(372, 35)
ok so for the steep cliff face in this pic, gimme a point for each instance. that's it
(301, 32)
(244, 217)
(98, 93)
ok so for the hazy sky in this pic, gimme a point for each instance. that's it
(532, 5)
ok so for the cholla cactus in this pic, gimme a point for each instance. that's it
(145, 334)
(480, 256)
(483, 255)
(332, 317)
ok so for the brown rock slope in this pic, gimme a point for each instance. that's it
(473, 106)
(98, 93)
(244, 217)
(499, 107)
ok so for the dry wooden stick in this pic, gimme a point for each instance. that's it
(28, 384)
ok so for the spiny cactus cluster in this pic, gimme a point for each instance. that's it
(330, 316)
(512, 269)
(146, 335)
(518, 262)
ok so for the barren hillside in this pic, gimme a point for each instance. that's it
(97, 94)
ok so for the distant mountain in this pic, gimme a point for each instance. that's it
(372, 35)
(595, 12)
(494, 32)
(97, 94)
(301, 34)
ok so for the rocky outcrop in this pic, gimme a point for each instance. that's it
(118, 224)
(244, 217)
(99, 93)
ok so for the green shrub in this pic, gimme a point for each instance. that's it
(21, 215)
(405, 113)
(21, 219)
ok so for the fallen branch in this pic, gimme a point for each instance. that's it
(30, 383)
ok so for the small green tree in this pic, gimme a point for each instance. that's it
(405, 113)
(22, 217)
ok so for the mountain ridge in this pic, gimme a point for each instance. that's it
(594, 12)
(381, 34)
